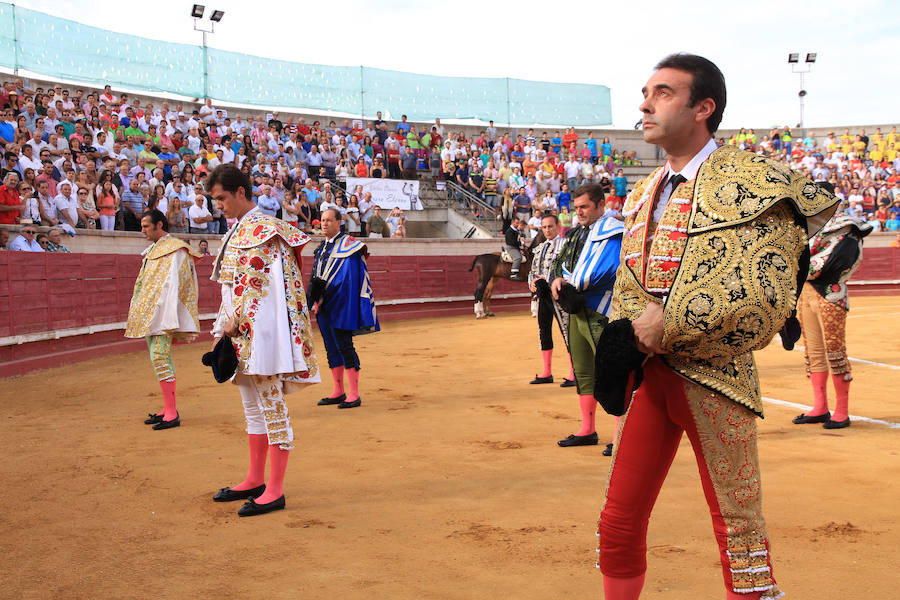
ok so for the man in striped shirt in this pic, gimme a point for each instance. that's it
(584, 271)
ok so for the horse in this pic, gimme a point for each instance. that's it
(490, 267)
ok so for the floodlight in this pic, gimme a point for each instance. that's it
(217, 16)
(793, 57)
(811, 57)
(197, 11)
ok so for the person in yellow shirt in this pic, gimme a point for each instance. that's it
(892, 137)
(846, 138)
(859, 145)
(891, 153)
(877, 137)
(876, 154)
(846, 147)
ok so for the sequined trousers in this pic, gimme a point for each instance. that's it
(723, 436)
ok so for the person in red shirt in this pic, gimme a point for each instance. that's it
(11, 205)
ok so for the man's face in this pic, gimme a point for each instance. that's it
(550, 227)
(55, 237)
(28, 233)
(331, 226)
(152, 231)
(4, 237)
(667, 116)
(234, 204)
(587, 211)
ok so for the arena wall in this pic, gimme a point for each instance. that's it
(61, 308)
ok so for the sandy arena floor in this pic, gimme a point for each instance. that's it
(447, 483)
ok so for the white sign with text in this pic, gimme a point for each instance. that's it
(388, 193)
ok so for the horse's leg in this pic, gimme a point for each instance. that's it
(479, 290)
(487, 297)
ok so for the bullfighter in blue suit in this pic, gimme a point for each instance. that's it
(344, 305)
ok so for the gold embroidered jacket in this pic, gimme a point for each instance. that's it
(165, 292)
(723, 261)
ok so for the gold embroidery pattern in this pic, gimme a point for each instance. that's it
(636, 211)
(274, 410)
(735, 289)
(735, 186)
(149, 285)
(728, 439)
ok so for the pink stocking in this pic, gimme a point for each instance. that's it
(842, 391)
(819, 382)
(256, 474)
(337, 374)
(731, 595)
(616, 432)
(275, 485)
(571, 369)
(169, 409)
(588, 408)
(353, 385)
(547, 355)
(621, 588)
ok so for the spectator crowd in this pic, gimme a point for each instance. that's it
(864, 170)
(97, 160)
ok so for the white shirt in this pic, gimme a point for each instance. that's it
(198, 212)
(689, 171)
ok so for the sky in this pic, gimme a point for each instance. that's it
(854, 80)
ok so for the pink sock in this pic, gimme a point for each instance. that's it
(819, 382)
(547, 356)
(256, 474)
(169, 409)
(622, 588)
(337, 374)
(275, 485)
(841, 404)
(616, 432)
(588, 408)
(352, 385)
(571, 370)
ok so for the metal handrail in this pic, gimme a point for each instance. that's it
(471, 200)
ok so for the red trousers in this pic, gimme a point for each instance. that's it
(723, 436)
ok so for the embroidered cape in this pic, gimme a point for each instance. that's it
(259, 268)
(723, 261)
(165, 292)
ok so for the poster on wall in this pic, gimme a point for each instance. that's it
(388, 193)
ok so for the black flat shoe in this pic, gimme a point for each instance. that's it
(330, 401)
(176, 422)
(251, 509)
(548, 379)
(567, 383)
(353, 404)
(227, 494)
(153, 419)
(608, 450)
(829, 424)
(579, 440)
(802, 419)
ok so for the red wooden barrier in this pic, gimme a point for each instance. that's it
(42, 292)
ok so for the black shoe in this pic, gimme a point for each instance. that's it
(567, 382)
(227, 494)
(153, 419)
(579, 440)
(176, 422)
(537, 379)
(353, 404)
(251, 509)
(829, 424)
(330, 401)
(802, 419)
(608, 450)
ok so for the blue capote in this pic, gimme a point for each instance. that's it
(347, 301)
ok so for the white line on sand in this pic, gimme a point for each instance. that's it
(887, 424)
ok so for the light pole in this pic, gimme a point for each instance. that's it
(794, 61)
(197, 13)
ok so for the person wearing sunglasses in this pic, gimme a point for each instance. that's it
(25, 242)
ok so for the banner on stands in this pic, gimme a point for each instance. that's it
(388, 193)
